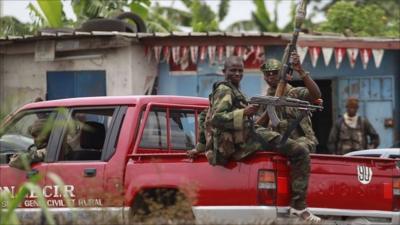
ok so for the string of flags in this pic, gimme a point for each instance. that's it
(187, 57)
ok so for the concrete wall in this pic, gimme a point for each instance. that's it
(22, 79)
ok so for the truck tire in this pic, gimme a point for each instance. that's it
(115, 24)
(161, 206)
(140, 25)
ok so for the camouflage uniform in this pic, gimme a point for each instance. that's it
(235, 136)
(40, 131)
(304, 133)
(344, 139)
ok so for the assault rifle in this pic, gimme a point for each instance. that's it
(286, 59)
(271, 102)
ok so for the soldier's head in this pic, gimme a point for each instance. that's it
(270, 70)
(233, 70)
(352, 106)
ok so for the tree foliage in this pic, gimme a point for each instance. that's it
(358, 20)
(356, 17)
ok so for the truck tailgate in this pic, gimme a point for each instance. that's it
(351, 183)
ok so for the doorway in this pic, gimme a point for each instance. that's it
(321, 120)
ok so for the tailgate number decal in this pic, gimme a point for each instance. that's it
(364, 174)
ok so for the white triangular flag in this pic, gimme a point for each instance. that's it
(157, 53)
(176, 54)
(365, 54)
(314, 55)
(211, 54)
(302, 51)
(229, 50)
(194, 53)
(327, 53)
(352, 53)
(378, 56)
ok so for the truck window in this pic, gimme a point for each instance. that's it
(20, 134)
(85, 134)
(155, 132)
(183, 125)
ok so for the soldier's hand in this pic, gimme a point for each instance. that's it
(250, 110)
(296, 65)
(192, 153)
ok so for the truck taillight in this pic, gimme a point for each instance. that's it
(266, 189)
(396, 194)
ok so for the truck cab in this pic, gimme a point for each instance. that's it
(115, 154)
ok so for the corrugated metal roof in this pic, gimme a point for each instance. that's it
(393, 42)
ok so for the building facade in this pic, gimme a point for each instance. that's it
(112, 63)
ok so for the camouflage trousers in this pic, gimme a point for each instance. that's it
(297, 152)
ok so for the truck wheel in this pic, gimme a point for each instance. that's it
(161, 206)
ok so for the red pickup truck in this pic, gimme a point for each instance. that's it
(113, 153)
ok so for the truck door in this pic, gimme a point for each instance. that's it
(80, 161)
(168, 133)
(20, 136)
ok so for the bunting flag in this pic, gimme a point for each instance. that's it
(147, 53)
(166, 53)
(365, 54)
(239, 51)
(259, 56)
(352, 53)
(248, 51)
(194, 53)
(211, 54)
(220, 53)
(378, 56)
(175, 54)
(203, 53)
(302, 51)
(339, 55)
(184, 60)
(314, 55)
(327, 53)
(157, 53)
(229, 50)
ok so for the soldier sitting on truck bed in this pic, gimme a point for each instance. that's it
(235, 136)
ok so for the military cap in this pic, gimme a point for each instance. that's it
(270, 65)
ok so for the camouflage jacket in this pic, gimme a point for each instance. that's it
(344, 139)
(304, 132)
(231, 130)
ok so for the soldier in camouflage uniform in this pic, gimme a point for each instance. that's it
(351, 132)
(40, 131)
(304, 133)
(234, 136)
